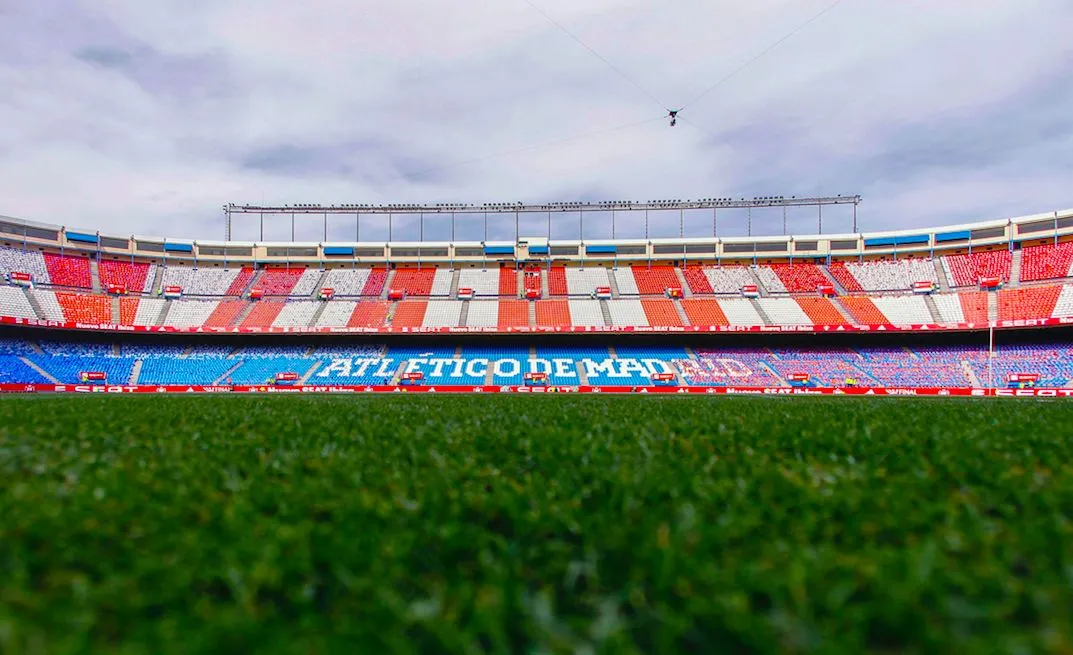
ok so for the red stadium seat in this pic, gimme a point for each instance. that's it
(369, 314)
(415, 282)
(508, 282)
(704, 312)
(1046, 262)
(69, 271)
(800, 278)
(842, 274)
(557, 281)
(966, 270)
(128, 308)
(409, 313)
(84, 308)
(1027, 303)
(655, 280)
(279, 281)
(242, 280)
(513, 313)
(863, 310)
(374, 286)
(131, 275)
(661, 312)
(263, 313)
(821, 311)
(974, 306)
(697, 281)
(225, 313)
(553, 313)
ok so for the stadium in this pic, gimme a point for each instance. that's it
(91, 312)
(424, 386)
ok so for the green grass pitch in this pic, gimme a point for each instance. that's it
(505, 524)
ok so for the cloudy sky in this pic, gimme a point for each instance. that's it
(143, 117)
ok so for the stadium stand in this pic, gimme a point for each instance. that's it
(374, 286)
(370, 314)
(85, 308)
(346, 282)
(24, 261)
(1027, 303)
(863, 310)
(410, 314)
(482, 313)
(68, 271)
(967, 270)
(784, 311)
(13, 302)
(896, 275)
(740, 311)
(136, 277)
(655, 280)
(513, 313)
(532, 280)
(974, 306)
(585, 313)
(242, 280)
(1063, 306)
(1046, 262)
(625, 281)
(584, 281)
(336, 313)
(189, 313)
(128, 309)
(949, 307)
(821, 311)
(624, 312)
(554, 313)
(904, 310)
(262, 314)
(199, 281)
(768, 279)
(697, 281)
(50, 307)
(441, 282)
(729, 279)
(225, 313)
(797, 277)
(485, 283)
(281, 281)
(661, 312)
(704, 312)
(508, 282)
(148, 311)
(557, 285)
(442, 313)
(415, 282)
(296, 314)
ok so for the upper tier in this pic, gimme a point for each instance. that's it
(951, 239)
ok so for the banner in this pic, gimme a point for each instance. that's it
(729, 391)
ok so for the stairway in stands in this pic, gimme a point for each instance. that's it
(95, 275)
(936, 317)
(760, 310)
(33, 303)
(944, 286)
(1015, 267)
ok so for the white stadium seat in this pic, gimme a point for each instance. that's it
(728, 279)
(307, 283)
(337, 313)
(1064, 306)
(892, 275)
(346, 282)
(296, 314)
(189, 313)
(50, 307)
(442, 313)
(441, 282)
(484, 282)
(23, 261)
(784, 311)
(770, 280)
(627, 312)
(903, 310)
(13, 302)
(148, 311)
(483, 313)
(740, 311)
(627, 283)
(583, 281)
(199, 282)
(949, 306)
(585, 312)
